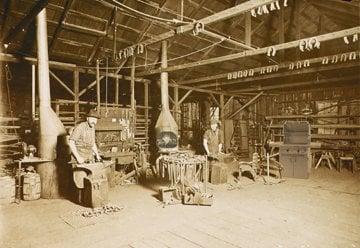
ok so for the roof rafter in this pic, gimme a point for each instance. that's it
(34, 11)
(62, 18)
(220, 16)
(288, 45)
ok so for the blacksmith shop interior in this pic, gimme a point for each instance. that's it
(180, 123)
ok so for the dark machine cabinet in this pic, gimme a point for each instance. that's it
(297, 132)
(296, 160)
(294, 153)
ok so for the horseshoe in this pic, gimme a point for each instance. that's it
(325, 61)
(343, 57)
(271, 51)
(126, 53)
(234, 75)
(298, 65)
(259, 11)
(355, 37)
(251, 72)
(272, 6)
(334, 59)
(352, 56)
(277, 5)
(317, 43)
(291, 66)
(253, 12)
(229, 75)
(302, 45)
(140, 49)
(265, 9)
(307, 63)
(198, 27)
(276, 68)
(245, 73)
(120, 54)
(308, 45)
(240, 74)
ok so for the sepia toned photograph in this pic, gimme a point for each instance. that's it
(180, 123)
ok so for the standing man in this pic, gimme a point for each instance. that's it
(213, 139)
(82, 139)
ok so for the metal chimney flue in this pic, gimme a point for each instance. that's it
(166, 128)
(50, 126)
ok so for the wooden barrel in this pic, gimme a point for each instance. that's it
(31, 186)
(7, 190)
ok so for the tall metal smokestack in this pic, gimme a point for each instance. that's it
(166, 128)
(50, 126)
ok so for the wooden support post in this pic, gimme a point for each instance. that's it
(282, 31)
(146, 103)
(176, 105)
(114, 36)
(297, 25)
(33, 91)
(132, 83)
(248, 28)
(222, 110)
(113, 75)
(98, 85)
(117, 90)
(76, 96)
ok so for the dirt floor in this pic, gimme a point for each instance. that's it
(323, 211)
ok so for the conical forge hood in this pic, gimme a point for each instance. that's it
(166, 129)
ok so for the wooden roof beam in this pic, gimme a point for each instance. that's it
(284, 74)
(62, 18)
(34, 11)
(257, 69)
(174, 84)
(220, 16)
(66, 66)
(288, 45)
(6, 6)
(337, 8)
(314, 82)
(100, 39)
(232, 115)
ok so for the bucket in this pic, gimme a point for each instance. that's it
(7, 190)
(31, 186)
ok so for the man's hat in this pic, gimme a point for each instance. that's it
(93, 113)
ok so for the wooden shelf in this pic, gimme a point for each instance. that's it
(271, 117)
(329, 136)
(335, 126)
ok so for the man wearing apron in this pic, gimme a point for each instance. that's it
(82, 139)
(213, 139)
(84, 151)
